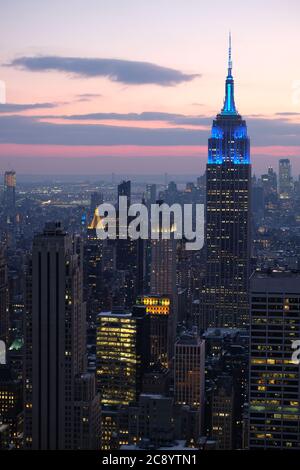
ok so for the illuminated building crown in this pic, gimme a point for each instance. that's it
(229, 141)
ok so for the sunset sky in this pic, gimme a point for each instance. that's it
(131, 86)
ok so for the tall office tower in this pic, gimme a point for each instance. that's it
(228, 216)
(141, 270)
(269, 182)
(160, 310)
(163, 280)
(130, 261)
(114, 427)
(54, 340)
(10, 193)
(171, 193)
(9, 206)
(4, 306)
(274, 390)
(190, 267)
(96, 200)
(123, 354)
(235, 365)
(155, 419)
(150, 193)
(226, 362)
(11, 406)
(222, 415)
(124, 189)
(285, 178)
(93, 274)
(87, 412)
(99, 267)
(130, 254)
(258, 201)
(189, 376)
(163, 263)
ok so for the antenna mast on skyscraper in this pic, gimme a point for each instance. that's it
(229, 55)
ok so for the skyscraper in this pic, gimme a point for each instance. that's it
(269, 182)
(93, 274)
(161, 332)
(189, 375)
(222, 413)
(4, 308)
(10, 192)
(9, 206)
(55, 343)
(124, 189)
(163, 280)
(285, 178)
(96, 200)
(11, 410)
(151, 193)
(130, 254)
(274, 391)
(228, 216)
(163, 267)
(163, 259)
(123, 354)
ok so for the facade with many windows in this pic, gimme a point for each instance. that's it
(274, 420)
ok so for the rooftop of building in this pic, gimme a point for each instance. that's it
(220, 332)
(190, 337)
(117, 314)
(154, 396)
(146, 444)
(121, 312)
(53, 229)
(275, 281)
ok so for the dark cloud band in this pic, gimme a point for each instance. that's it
(171, 118)
(124, 71)
(16, 107)
(29, 130)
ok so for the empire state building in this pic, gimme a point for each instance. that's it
(228, 174)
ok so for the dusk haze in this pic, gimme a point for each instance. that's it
(114, 86)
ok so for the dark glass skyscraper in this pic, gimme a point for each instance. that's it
(9, 207)
(285, 178)
(4, 305)
(274, 390)
(61, 407)
(228, 178)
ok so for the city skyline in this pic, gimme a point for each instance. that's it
(123, 88)
(149, 229)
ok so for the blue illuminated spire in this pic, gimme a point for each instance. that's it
(229, 56)
(229, 105)
(229, 142)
